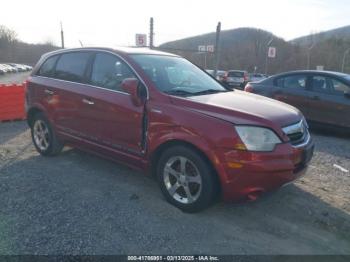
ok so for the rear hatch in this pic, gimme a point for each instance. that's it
(235, 76)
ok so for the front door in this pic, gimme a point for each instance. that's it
(110, 117)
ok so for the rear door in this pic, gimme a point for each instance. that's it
(340, 91)
(69, 77)
(292, 89)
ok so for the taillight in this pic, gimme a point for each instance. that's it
(249, 88)
(224, 78)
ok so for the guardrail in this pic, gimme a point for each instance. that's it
(12, 98)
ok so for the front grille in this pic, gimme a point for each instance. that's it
(298, 133)
(296, 138)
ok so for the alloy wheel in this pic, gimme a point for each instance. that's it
(182, 179)
(41, 135)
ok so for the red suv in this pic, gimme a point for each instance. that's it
(158, 112)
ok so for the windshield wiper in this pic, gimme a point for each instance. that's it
(208, 91)
(178, 92)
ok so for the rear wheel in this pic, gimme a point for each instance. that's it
(186, 179)
(44, 137)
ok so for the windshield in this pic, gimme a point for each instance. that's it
(177, 76)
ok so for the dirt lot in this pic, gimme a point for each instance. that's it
(77, 203)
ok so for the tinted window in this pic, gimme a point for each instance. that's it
(71, 66)
(47, 69)
(320, 84)
(294, 81)
(338, 87)
(109, 71)
(235, 74)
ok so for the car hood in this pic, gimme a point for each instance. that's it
(241, 107)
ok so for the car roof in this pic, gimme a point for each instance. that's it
(123, 50)
(241, 71)
(319, 72)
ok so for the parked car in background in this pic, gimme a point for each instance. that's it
(236, 79)
(3, 69)
(159, 112)
(28, 68)
(220, 74)
(10, 69)
(255, 77)
(210, 71)
(15, 68)
(19, 68)
(323, 97)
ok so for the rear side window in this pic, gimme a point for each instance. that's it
(109, 71)
(47, 69)
(294, 81)
(71, 66)
(235, 74)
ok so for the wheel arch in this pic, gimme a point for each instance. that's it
(31, 113)
(177, 142)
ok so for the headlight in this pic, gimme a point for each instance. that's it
(257, 138)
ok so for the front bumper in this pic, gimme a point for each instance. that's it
(245, 174)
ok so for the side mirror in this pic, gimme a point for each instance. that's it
(131, 86)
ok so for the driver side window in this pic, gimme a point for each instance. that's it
(109, 71)
(339, 88)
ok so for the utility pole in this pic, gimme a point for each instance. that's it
(309, 55)
(151, 33)
(62, 36)
(217, 48)
(267, 54)
(344, 59)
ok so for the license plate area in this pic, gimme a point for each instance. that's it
(307, 155)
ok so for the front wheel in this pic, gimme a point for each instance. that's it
(44, 138)
(186, 179)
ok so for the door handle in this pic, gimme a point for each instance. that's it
(87, 101)
(49, 92)
(315, 97)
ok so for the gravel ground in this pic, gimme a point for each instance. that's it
(11, 78)
(77, 203)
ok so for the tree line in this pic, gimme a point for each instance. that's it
(242, 48)
(12, 50)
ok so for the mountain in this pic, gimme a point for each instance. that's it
(227, 38)
(241, 48)
(339, 33)
(247, 48)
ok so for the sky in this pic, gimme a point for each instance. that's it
(113, 23)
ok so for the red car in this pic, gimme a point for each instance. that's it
(158, 112)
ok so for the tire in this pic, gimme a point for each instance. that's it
(180, 167)
(44, 137)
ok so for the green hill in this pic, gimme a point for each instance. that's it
(246, 48)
